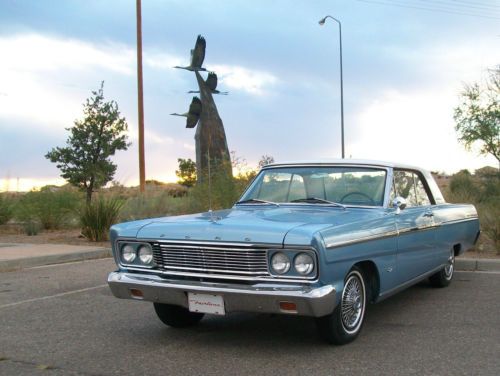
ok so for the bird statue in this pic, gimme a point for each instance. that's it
(197, 56)
(211, 83)
(194, 113)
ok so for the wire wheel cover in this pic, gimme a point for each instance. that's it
(353, 303)
(448, 269)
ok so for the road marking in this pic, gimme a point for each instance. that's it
(478, 271)
(52, 296)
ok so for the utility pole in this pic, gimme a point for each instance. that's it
(140, 99)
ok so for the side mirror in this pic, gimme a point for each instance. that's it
(399, 203)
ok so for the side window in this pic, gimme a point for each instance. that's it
(422, 197)
(404, 186)
(408, 185)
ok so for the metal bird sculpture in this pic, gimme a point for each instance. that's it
(197, 56)
(194, 113)
(211, 83)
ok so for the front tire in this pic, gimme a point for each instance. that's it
(444, 276)
(176, 316)
(344, 324)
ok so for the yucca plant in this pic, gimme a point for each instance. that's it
(97, 217)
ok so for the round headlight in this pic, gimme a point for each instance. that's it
(280, 263)
(304, 263)
(146, 254)
(128, 253)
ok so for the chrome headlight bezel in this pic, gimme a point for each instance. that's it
(291, 272)
(136, 260)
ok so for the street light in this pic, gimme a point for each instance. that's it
(322, 22)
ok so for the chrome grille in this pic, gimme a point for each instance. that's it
(210, 259)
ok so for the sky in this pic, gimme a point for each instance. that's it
(404, 65)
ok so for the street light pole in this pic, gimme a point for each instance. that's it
(322, 22)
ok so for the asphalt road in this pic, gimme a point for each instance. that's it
(62, 320)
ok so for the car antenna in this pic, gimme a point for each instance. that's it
(210, 188)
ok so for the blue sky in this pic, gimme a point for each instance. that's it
(403, 70)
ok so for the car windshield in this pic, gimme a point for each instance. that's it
(322, 185)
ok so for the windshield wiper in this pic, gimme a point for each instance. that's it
(316, 200)
(256, 201)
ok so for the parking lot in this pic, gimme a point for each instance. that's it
(63, 320)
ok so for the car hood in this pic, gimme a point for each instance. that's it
(276, 225)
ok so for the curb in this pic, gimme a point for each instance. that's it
(30, 262)
(473, 265)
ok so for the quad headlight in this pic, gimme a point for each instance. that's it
(280, 263)
(145, 254)
(128, 253)
(293, 263)
(136, 254)
(303, 263)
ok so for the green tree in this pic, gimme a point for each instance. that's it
(85, 161)
(478, 116)
(186, 172)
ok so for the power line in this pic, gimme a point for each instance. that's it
(477, 3)
(431, 9)
(440, 5)
(454, 4)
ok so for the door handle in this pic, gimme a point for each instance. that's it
(429, 214)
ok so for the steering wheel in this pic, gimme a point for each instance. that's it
(360, 194)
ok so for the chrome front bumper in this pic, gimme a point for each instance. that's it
(260, 297)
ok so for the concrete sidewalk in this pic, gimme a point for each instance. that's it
(15, 256)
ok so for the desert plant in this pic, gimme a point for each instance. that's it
(31, 228)
(489, 215)
(6, 209)
(51, 207)
(97, 217)
(220, 194)
(154, 203)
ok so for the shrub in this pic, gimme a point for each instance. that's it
(220, 193)
(51, 207)
(490, 223)
(6, 209)
(153, 203)
(31, 228)
(97, 217)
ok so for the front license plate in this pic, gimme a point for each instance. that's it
(206, 303)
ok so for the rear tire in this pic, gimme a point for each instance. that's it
(444, 276)
(176, 316)
(344, 324)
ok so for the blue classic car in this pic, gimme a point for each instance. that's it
(317, 239)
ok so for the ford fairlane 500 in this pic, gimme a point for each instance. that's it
(317, 239)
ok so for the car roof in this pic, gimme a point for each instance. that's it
(344, 162)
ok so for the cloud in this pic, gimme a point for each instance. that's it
(42, 77)
(38, 53)
(411, 127)
(240, 78)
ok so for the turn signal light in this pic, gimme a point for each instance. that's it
(289, 307)
(136, 293)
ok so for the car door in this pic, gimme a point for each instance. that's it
(415, 226)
